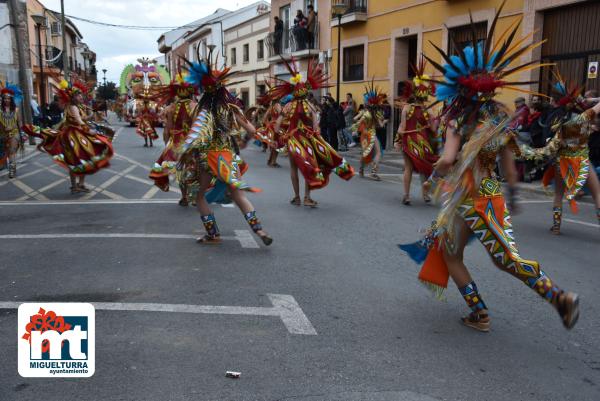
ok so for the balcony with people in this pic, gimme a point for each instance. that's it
(300, 40)
(349, 11)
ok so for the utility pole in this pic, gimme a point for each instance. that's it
(65, 54)
(15, 10)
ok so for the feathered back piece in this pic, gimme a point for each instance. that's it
(373, 96)
(298, 87)
(420, 87)
(178, 88)
(473, 77)
(267, 98)
(11, 90)
(210, 82)
(67, 91)
(567, 93)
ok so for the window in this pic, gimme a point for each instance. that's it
(246, 53)
(233, 56)
(262, 89)
(260, 49)
(55, 28)
(245, 98)
(462, 36)
(354, 61)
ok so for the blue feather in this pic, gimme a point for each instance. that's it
(417, 251)
(490, 64)
(560, 88)
(444, 92)
(285, 100)
(480, 56)
(470, 56)
(18, 95)
(459, 63)
(197, 71)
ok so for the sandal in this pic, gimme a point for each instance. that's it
(209, 239)
(276, 165)
(555, 229)
(266, 239)
(361, 172)
(375, 177)
(296, 201)
(75, 190)
(310, 203)
(426, 198)
(568, 309)
(406, 200)
(183, 202)
(83, 188)
(478, 321)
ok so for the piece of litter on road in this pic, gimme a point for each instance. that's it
(233, 375)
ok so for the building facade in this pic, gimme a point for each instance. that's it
(301, 46)
(247, 55)
(381, 39)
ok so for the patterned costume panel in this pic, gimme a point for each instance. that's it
(416, 140)
(167, 161)
(146, 122)
(73, 146)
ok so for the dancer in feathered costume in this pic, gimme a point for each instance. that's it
(10, 96)
(266, 132)
(211, 147)
(571, 168)
(73, 145)
(179, 116)
(473, 203)
(308, 151)
(366, 123)
(415, 132)
(147, 119)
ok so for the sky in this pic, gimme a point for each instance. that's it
(116, 47)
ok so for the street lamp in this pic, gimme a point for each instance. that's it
(40, 22)
(338, 9)
(104, 77)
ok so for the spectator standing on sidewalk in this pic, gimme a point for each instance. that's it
(349, 113)
(382, 127)
(333, 123)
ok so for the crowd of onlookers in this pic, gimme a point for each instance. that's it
(336, 120)
(303, 32)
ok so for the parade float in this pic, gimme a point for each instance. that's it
(136, 79)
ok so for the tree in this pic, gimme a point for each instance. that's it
(107, 91)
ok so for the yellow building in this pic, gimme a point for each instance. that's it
(381, 38)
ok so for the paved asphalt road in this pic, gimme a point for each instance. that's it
(379, 334)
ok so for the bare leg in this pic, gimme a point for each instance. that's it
(594, 186)
(407, 178)
(13, 145)
(208, 219)
(376, 159)
(456, 267)
(559, 192)
(242, 202)
(295, 180)
(73, 179)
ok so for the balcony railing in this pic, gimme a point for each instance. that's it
(292, 40)
(357, 6)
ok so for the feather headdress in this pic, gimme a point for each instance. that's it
(420, 87)
(210, 81)
(11, 90)
(67, 91)
(178, 88)
(567, 93)
(373, 97)
(298, 86)
(474, 75)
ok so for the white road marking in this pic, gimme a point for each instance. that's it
(151, 192)
(583, 223)
(284, 306)
(107, 183)
(120, 156)
(244, 237)
(21, 176)
(228, 205)
(30, 192)
(90, 202)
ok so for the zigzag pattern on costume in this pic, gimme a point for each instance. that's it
(497, 236)
(201, 130)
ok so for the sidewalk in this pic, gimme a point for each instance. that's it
(393, 158)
